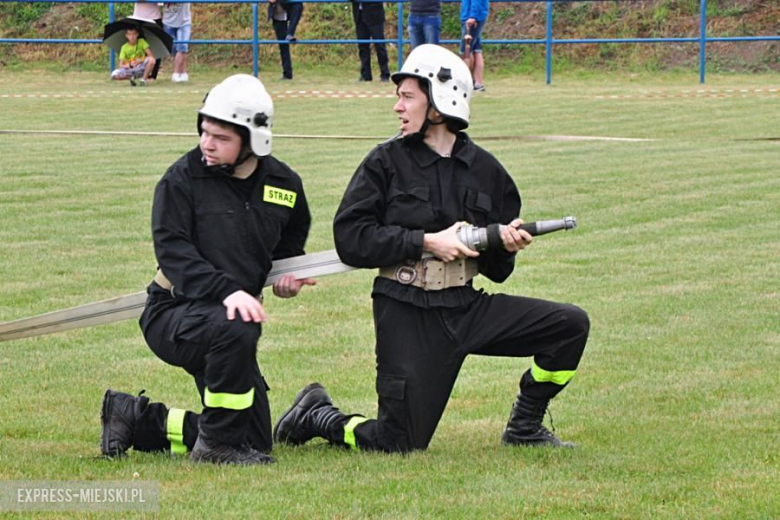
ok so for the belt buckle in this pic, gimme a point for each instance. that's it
(406, 274)
(424, 263)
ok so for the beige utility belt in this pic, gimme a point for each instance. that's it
(431, 273)
(162, 280)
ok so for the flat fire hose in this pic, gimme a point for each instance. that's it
(131, 305)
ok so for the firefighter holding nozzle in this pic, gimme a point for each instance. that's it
(401, 213)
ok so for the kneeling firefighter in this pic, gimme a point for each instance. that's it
(221, 214)
(401, 213)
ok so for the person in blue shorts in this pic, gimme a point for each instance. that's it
(473, 14)
(177, 21)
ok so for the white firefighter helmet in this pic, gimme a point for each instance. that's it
(242, 100)
(449, 80)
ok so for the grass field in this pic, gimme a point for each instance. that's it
(677, 261)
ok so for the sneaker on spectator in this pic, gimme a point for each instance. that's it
(183, 77)
(176, 77)
(479, 87)
(132, 81)
(291, 38)
(142, 83)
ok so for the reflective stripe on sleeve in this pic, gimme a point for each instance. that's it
(229, 401)
(175, 430)
(349, 432)
(560, 377)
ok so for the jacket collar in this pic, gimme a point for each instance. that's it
(464, 150)
(198, 168)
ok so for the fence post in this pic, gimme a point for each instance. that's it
(112, 55)
(255, 45)
(400, 43)
(703, 41)
(548, 42)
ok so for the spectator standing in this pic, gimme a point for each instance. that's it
(149, 11)
(370, 25)
(473, 14)
(285, 16)
(424, 22)
(177, 21)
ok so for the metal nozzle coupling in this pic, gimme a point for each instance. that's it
(473, 237)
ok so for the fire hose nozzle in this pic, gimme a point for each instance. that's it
(480, 239)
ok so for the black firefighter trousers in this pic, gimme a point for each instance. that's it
(420, 352)
(221, 357)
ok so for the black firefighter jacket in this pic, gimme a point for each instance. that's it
(402, 190)
(211, 240)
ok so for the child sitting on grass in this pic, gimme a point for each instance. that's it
(135, 59)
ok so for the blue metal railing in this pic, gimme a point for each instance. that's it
(549, 41)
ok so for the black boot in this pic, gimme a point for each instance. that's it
(312, 414)
(118, 415)
(525, 425)
(206, 450)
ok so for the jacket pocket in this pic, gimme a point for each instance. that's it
(393, 417)
(408, 207)
(277, 211)
(479, 207)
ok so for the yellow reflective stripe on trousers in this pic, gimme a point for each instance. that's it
(229, 401)
(560, 377)
(175, 430)
(349, 432)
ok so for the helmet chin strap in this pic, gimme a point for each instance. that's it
(229, 170)
(419, 135)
